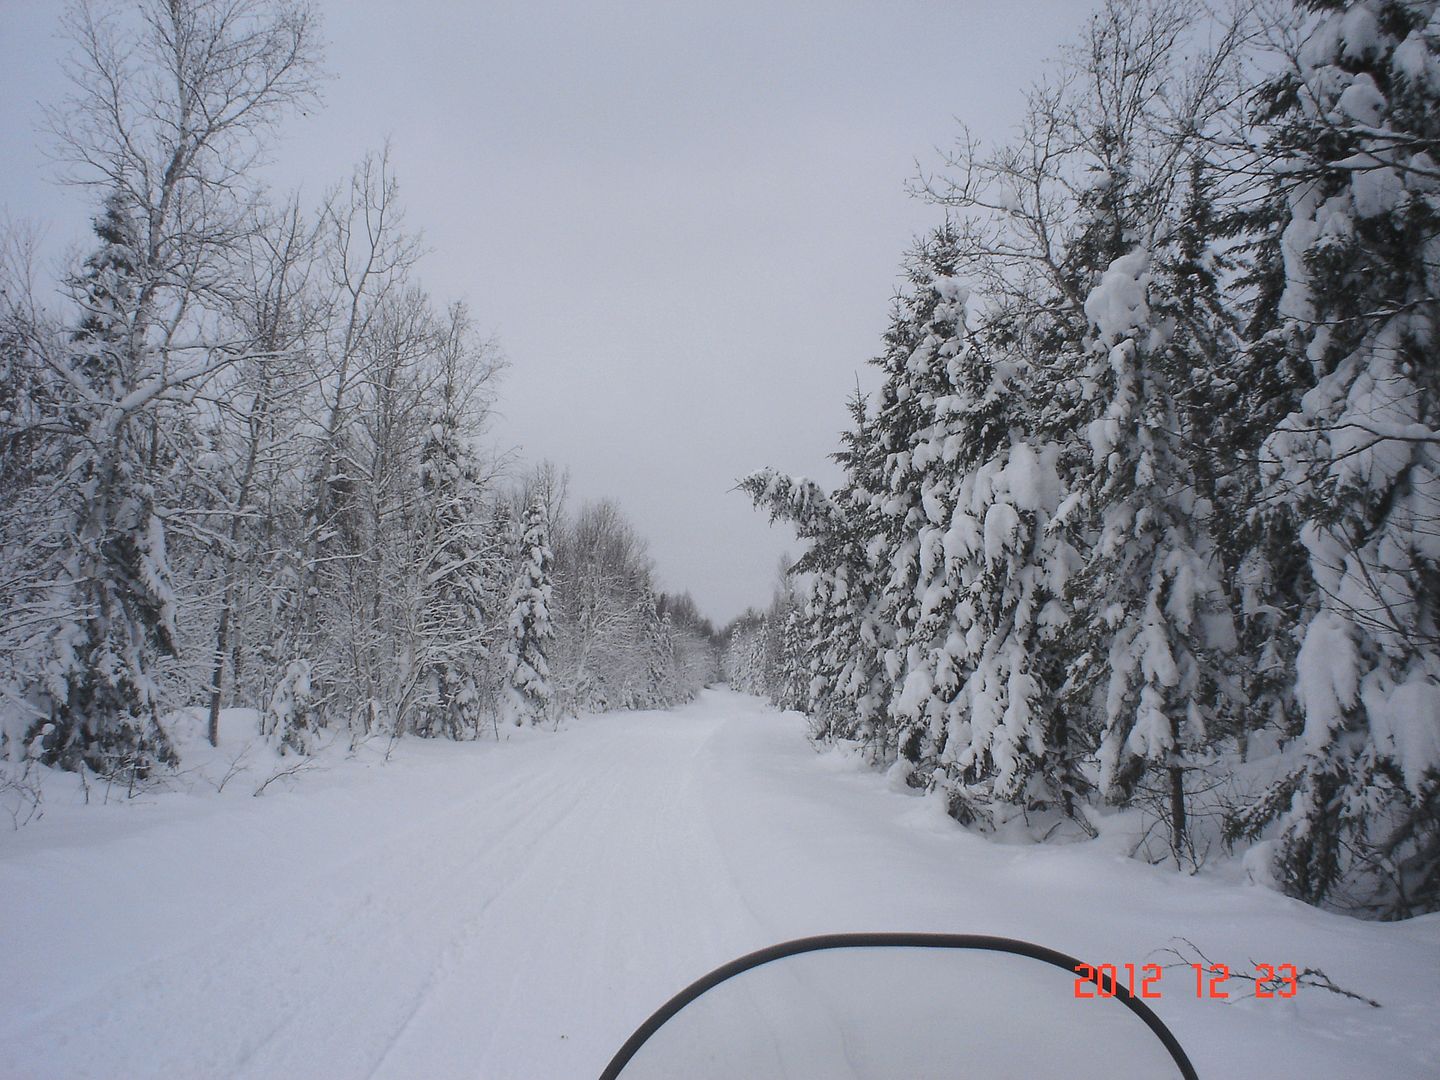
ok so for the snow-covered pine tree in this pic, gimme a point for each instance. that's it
(757, 651)
(1241, 382)
(833, 676)
(927, 332)
(661, 687)
(1010, 743)
(528, 692)
(498, 571)
(456, 620)
(1113, 187)
(288, 718)
(972, 565)
(846, 589)
(1354, 126)
(789, 662)
(1155, 610)
(96, 696)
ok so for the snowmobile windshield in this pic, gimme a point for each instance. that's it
(904, 1007)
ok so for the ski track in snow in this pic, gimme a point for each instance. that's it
(515, 910)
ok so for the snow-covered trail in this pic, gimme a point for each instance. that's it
(514, 910)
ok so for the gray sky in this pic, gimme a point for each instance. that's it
(682, 221)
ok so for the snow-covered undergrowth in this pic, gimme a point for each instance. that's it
(514, 908)
(245, 764)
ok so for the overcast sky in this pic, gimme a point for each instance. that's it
(682, 221)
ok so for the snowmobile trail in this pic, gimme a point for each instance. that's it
(514, 910)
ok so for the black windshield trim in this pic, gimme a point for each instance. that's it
(1108, 986)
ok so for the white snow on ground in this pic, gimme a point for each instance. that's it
(514, 909)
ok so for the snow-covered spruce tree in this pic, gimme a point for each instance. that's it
(288, 718)
(846, 594)
(975, 568)
(96, 696)
(674, 652)
(498, 571)
(1242, 380)
(456, 635)
(795, 693)
(787, 662)
(1155, 612)
(527, 686)
(927, 331)
(1094, 174)
(968, 492)
(662, 686)
(928, 344)
(827, 622)
(756, 652)
(1006, 563)
(833, 670)
(1354, 130)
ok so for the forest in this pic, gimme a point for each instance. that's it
(244, 456)
(1146, 513)
(1143, 519)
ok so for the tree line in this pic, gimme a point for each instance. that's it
(243, 451)
(1146, 512)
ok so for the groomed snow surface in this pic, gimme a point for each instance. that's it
(514, 909)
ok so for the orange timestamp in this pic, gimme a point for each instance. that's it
(1104, 980)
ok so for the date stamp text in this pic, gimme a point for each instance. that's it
(1105, 980)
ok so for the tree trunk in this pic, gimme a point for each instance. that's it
(217, 677)
(1177, 812)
